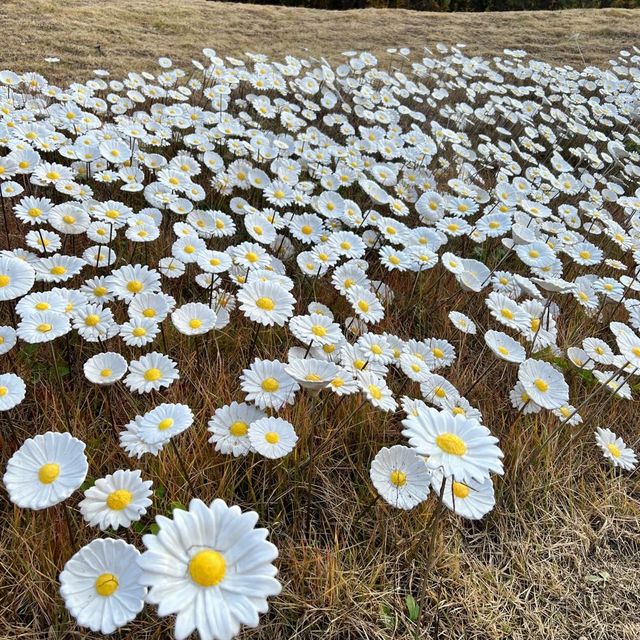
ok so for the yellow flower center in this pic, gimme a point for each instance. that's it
(460, 490)
(270, 385)
(535, 324)
(153, 374)
(43, 306)
(585, 255)
(541, 385)
(452, 444)
(195, 323)
(398, 478)
(375, 391)
(272, 437)
(34, 212)
(503, 350)
(135, 286)
(363, 306)
(44, 327)
(267, 304)
(106, 584)
(92, 320)
(4, 280)
(149, 313)
(138, 332)
(3, 391)
(48, 472)
(307, 230)
(239, 429)
(613, 450)
(252, 256)
(438, 353)
(119, 499)
(68, 219)
(105, 373)
(165, 424)
(319, 330)
(507, 313)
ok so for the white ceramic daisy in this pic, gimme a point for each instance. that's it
(376, 390)
(471, 500)
(12, 391)
(544, 384)
(8, 339)
(615, 449)
(460, 447)
(131, 280)
(101, 585)
(211, 567)
(134, 445)
(151, 372)
(400, 476)
(311, 373)
(16, 278)
(105, 368)
(194, 318)
(505, 347)
(272, 437)
(116, 500)
(266, 302)
(45, 470)
(164, 422)
(229, 427)
(43, 327)
(268, 385)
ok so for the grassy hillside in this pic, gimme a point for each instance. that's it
(124, 35)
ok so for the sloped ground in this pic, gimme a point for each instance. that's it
(132, 33)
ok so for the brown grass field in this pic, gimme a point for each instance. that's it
(131, 34)
(557, 559)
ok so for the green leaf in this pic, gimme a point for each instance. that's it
(177, 505)
(387, 617)
(154, 528)
(412, 608)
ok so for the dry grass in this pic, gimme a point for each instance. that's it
(133, 33)
(530, 570)
(525, 571)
